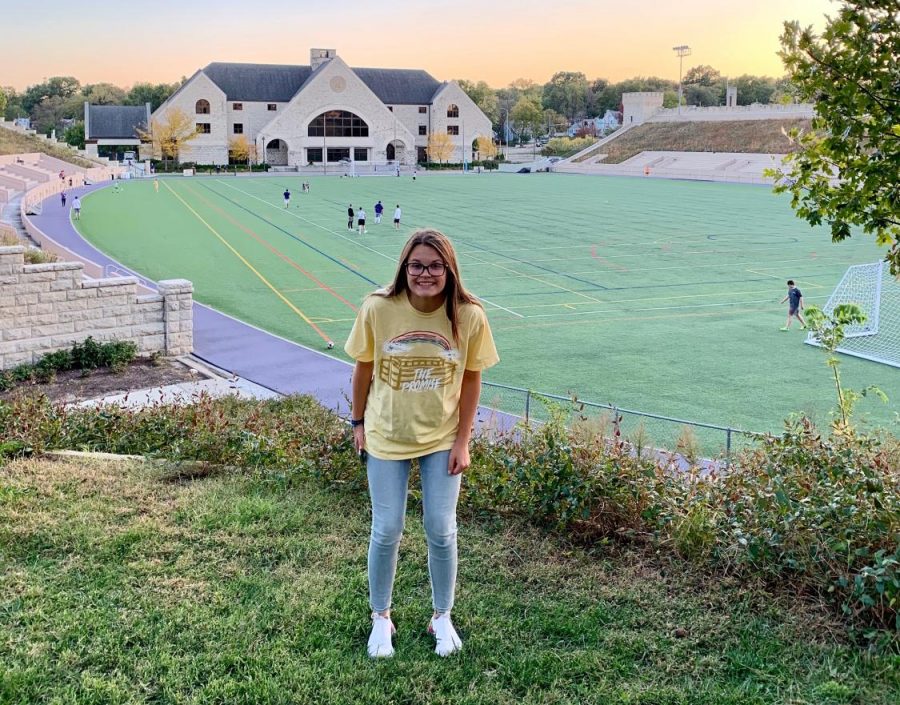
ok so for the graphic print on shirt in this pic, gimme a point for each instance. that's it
(410, 365)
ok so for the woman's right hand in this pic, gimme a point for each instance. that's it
(359, 438)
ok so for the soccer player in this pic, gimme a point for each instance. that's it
(379, 209)
(397, 214)
(795, 305)
(350, 217)
(361, 220)
(287, 198)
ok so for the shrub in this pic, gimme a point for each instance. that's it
(89, 355)
(36, 256)
(806, 512)
(566, 146)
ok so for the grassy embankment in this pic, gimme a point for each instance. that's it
(740, 136)
(13, 142)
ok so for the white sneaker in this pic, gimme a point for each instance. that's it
(448, 641)
(380, 639)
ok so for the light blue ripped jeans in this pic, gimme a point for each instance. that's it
(388, 483)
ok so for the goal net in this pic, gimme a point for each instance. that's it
(876, 291)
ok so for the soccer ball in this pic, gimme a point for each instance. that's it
(330, 345)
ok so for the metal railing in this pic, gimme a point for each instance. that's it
(647, 433)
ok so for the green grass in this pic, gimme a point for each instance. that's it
(654, 295)
(118, 585)
(14, 142)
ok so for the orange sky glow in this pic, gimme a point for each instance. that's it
(497, 42)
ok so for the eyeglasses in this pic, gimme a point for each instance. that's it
(435, 269)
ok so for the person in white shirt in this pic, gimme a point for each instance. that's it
(397, 214)
(361, 220)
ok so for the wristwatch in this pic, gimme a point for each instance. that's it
(357, 422)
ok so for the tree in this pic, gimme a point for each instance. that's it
(240, 149)
(527, 116)
(155, 94)
(829, 332)
(487, 149)
(46, 115)
(58, 86)
(702, 76)
(753, 89)
(554, 122)
(169, 134)
(74, 135)
(847, 169)
(567, 93)
(440, 147)
(703, 85)
(3, 101)
(14, 107)
(103, 94)
(596, 95)
(483, 96)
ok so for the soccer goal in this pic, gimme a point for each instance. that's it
(876, 291)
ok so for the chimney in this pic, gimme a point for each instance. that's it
(317, 57)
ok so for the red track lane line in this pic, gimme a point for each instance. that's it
(606, 262)
(262, 241)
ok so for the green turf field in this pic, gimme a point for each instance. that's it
(654, 295)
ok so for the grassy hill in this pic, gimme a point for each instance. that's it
(13, 142)
(749, 136)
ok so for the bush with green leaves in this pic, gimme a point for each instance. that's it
(812, 513)
(566, 146)
(86, 356)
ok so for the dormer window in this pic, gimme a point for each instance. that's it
(452, 111)
(202, 107)
(238, 106)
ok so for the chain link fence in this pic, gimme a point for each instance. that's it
(688, 441)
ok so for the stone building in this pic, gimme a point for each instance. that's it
(300, 115)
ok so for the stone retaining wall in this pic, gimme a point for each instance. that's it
(47, 307)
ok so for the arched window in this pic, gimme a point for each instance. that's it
(452, 110)
(338, 123)
(202, 107)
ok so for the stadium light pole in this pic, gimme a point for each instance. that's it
(682, 50)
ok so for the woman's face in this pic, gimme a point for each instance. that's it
(421, 267)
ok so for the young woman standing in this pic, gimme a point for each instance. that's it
(420, 346)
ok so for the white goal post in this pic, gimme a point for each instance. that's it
(876, 291)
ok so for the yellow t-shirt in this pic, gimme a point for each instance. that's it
(413, 403)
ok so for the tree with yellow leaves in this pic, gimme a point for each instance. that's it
(440, 147)
(168, 135)
(486, 147)
(240, 149)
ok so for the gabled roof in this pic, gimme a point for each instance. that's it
(258, 82)
(111, 121)
(400, 86)
(279, 83)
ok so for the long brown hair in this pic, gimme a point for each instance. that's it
(455, 293)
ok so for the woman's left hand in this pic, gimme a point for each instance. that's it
(459, 457)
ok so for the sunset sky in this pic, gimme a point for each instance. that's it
(496, 41)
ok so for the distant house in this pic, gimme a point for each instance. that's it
(596, 127)
(323, 112)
